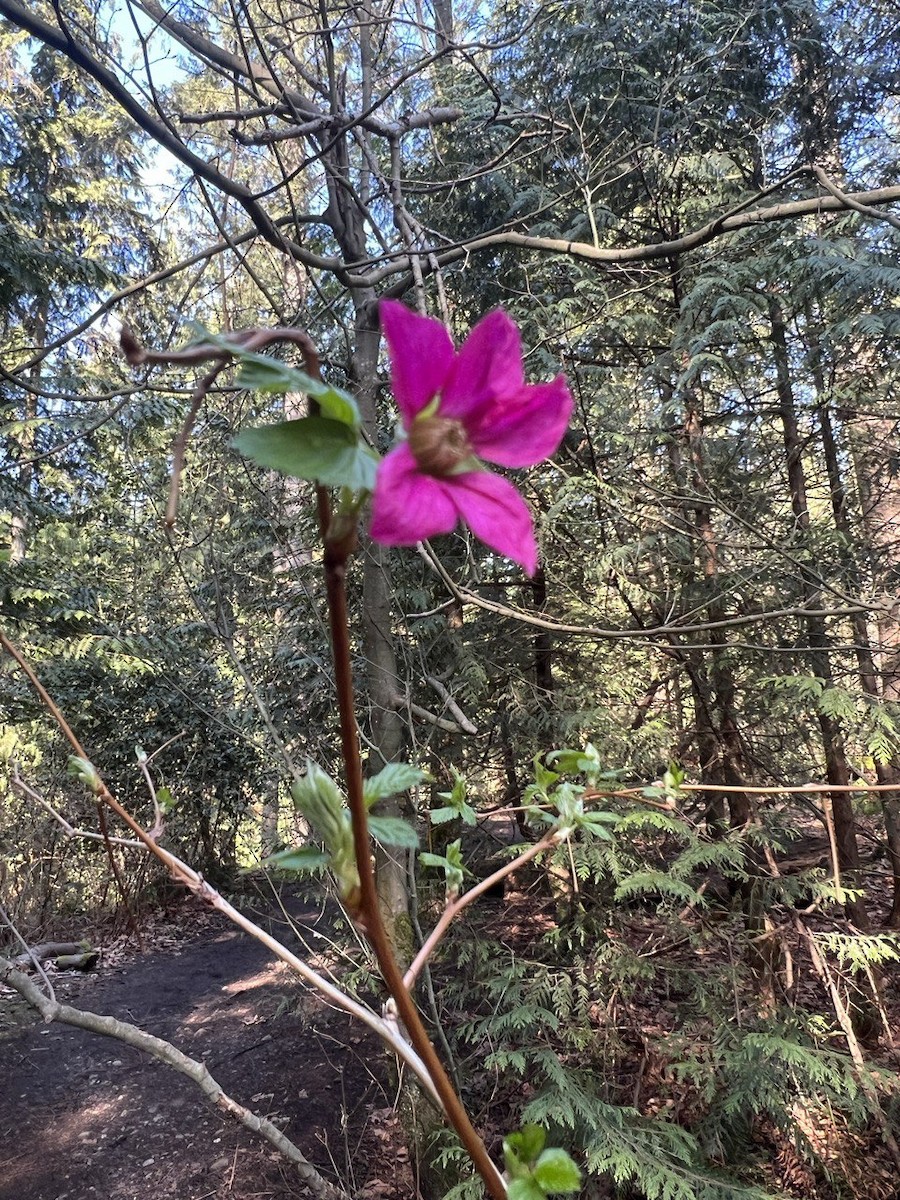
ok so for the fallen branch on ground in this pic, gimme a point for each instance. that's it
(46, 950)
(52, 1010)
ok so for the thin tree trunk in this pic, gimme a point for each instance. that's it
(717, 728)
(543, 648)
(19, 525)
(837, 771)
(729, 767)
(887, 773)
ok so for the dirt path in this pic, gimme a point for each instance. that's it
(83, 1117)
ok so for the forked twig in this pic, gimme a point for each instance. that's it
(137, 355)
(456, 906)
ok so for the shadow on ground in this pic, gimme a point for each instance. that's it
(84, 1117)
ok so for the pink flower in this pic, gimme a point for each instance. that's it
(458, 407)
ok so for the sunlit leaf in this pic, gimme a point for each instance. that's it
(297, 858)
(393, 831)
(313, 448)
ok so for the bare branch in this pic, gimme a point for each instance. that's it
(32, 956)
(233, 114)
(668, 629)
(732, 222)
(856, 202)
(464, 722)
(67, 827)
(455, 907)
(425, 714)
(61, 40)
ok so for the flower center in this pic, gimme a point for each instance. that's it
(440, 445)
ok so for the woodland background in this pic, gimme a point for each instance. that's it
(692, 210)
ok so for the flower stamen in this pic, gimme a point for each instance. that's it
(440, 445)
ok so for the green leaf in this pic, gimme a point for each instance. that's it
(261, 374)
(576, 762)
(543, 777)
(522, 1148)
(440, 816)
(297, 858)
(339, 406)
(165, 799)
(391, 780)
(392, 831)
(457, 796)
(85, 772)
(673, 779)
(314, 448)
(595, 830)
(321, 801)
(524, 1189)
(602, 817)
(555, 1171)
(596, 824)
(427, 859)
(452, 866)
(456, 803)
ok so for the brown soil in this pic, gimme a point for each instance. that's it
(84, 1117)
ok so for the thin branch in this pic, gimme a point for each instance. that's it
(233, 114)
(68, 829)
(425, 714)
(791, 789)
(62, 41)
(33, 955)
(464, 723)
(455, 907)
(732, 222)
(848, 200)
(221, 355)
(822, 969)
(465, 596)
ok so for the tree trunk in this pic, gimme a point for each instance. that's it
(729, 765)
(543, 648)
(443, 24)
(19, 525)
(874, 457)
(837, 771)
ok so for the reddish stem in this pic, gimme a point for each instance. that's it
(370, 914)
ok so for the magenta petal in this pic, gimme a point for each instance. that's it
(528, 430)
(497, 515)
(408, 506)
(421, 353)
(487, 370)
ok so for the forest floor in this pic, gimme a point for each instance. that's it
(85, 1117)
